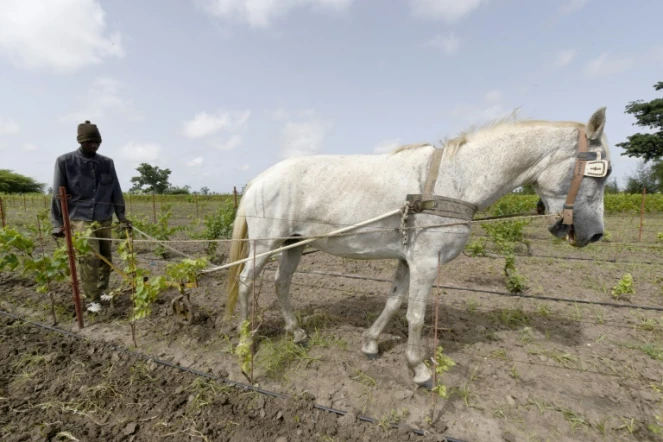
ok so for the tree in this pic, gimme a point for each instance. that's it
(646, 176)
(12, 182)
(648, 114)
(174, 190)
(204, 190)
(612, 186)
(155, 179)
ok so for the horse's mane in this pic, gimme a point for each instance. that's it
(452, 145)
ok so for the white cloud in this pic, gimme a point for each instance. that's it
(449, 44)
(492, 108)
(476, 114)
(385, 146)
(605, 65)
(494, 95)
(196, 162)
(447, 10)
(28, 147)
(303, 138)
(280, 114)
(135, 153)
(573, 5)
(101, 99)
(244, 167)
(565, 57)
(232, 143)
(60, 35)
(262, 13)
(8, 126)
(203, 124)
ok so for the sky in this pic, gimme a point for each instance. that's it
(219, 90)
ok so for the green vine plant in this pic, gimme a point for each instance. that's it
(17, 251)
(185, 272)
(243, 349)
(624, 287)
(505, 236)
(442, 364)
(161, 230)
(218, 225)
(145, 289)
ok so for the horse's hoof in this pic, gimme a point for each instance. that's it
(372, 356)
(303, 342)
(428, 385)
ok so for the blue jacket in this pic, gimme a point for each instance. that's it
(92, 184)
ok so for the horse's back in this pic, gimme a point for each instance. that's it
(336, 188)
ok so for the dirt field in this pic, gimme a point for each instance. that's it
(526, 369)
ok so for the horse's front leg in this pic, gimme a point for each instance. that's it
(422, 277)
(398, 292)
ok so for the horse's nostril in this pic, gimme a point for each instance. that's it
(596, 237)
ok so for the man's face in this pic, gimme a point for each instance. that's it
(90, 146)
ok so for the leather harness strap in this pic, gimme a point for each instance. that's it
(578, 175)
(439, 205)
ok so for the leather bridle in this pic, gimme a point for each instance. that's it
(587, 164)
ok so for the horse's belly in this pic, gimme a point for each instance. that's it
(362, 246)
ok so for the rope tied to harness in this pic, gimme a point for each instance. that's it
(404, 216)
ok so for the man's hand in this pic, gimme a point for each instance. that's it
(126, 223)
(58, 232)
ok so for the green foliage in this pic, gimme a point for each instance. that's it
(477, 247)
(18, 251)
(174, 190)
(624, 286)
(185, 271)
(649, 115)
(218, 225)
(646, 176)
(146, 292)
(442, 364)
(505, 235)
(161, 230)
(611, 187)
(14, 246)
(151, 179)
(12, 182)
(243, 349)
(145, 289)
(614, 203)
(46, 269)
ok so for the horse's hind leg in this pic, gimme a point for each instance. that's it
(398, 292)
(287, 265)
(250, 273)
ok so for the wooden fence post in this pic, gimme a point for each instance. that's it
(642, 213)
(2, 213)
(71, 255)
(154, 207)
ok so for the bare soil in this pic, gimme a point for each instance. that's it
(526, 369)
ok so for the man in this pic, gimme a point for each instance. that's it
(94, 193)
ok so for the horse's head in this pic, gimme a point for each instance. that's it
(573, 182)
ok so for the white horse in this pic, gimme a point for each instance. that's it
(311, 196)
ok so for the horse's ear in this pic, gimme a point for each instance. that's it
(596, 124)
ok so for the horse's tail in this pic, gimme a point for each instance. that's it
(238, 250)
